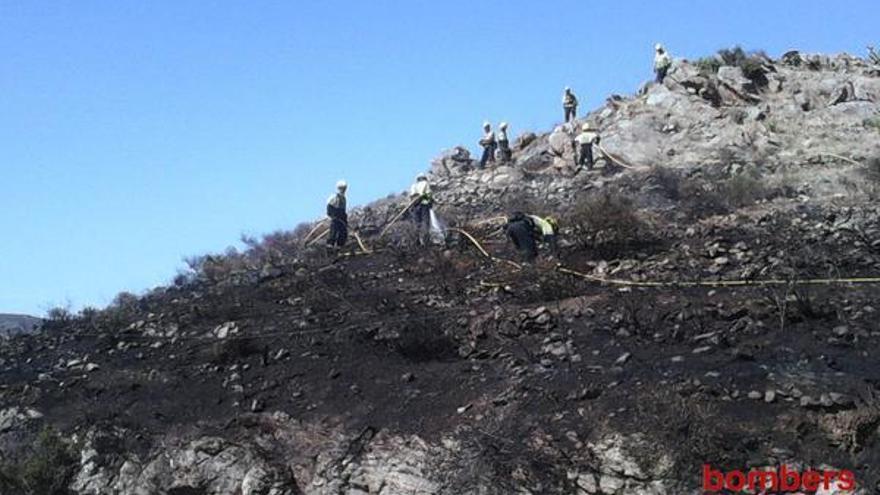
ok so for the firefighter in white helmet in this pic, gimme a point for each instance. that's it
(338, 217)
(584, 146)
(423, 201)
(503, 143)
(488, 144)
(662, 62)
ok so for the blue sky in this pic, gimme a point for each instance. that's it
(134, 133)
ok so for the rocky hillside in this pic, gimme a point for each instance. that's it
(287, 369)
(16, 324)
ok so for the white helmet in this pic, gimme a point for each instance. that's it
(658, 47)
(341, 185)
(567, 89)
(487, 125)
(502, 125)
(421, 177)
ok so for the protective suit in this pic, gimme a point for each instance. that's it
(569, 105)
(488, 144)
(420, 192)
(584, 142)
(336, 211)
(662, 62)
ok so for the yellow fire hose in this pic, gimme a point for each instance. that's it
(361, 243)
(618, 160)
(489, 220)
(696, 283)
(309, 235)
(357, 237)
(839, 157)
(318, 237)
(483, 251)
(636, 283)
(722, 283)
(400, 214)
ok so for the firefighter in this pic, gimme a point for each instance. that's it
(526, 231)
(488, 144)
(662, 62)
(569, 105)
(503, 143)
(584, 149)
(338, 216)
(420, 194)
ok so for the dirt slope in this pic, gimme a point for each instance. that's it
(287, 369)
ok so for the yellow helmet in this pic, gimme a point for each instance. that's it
(553, 223)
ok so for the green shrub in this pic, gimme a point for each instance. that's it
(751, 63)
(872, 122)
(732, 56)
(669, 181)
(742, 189)
(46, 471)
(872, 168)
(873, 56)
(708, 65)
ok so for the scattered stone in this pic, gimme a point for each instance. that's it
(225, 330)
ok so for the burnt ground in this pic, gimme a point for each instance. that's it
(532, 362)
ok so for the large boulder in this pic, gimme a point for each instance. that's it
(452, 162)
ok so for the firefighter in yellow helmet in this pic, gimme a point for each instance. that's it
(527, 231)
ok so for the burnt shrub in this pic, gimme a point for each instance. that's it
(751, 63)
(233, 349)
(667, 180)
(872, 168)
(46, 470)
(446, 270)
(703, 199)
(125, 308)
(522, 201)
(609, 222)
(420, 341)
(58, 317)
(743, 189)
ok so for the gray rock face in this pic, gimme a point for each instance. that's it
(293, 460)
(212, 465)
